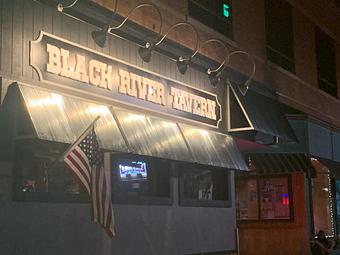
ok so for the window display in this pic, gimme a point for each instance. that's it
(140, 179)
(40, 177)
(263, 198)
(204, 186)
(274, 198)
(247, 200)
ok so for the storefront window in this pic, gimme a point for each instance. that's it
(337, 196)
(40, 178)
(274, 198)
(247, 200)
(263, 198)
(203, 186)
(140, 179)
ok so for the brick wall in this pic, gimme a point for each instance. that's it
(299, 91)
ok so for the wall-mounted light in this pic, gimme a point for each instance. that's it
(245, 86)
(61, 7)
(100, 36)
(183, 62)
(215, 75)
(146, 51)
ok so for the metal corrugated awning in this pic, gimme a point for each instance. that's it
(274, 163)
(256, 113)
(212, 148)
(60, 118)
(63, 119)
(150, 136)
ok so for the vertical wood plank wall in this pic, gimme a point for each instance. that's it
(269, 238)
(22, 20)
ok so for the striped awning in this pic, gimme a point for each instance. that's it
(275, 163)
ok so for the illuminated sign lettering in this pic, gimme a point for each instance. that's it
(64, 63)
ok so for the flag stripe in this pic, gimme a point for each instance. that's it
(85, 161)
(108, 224)
(109, 221)
(97, 195)
(99, 200)
(79, 167)
(82, 157)
(71, 167)
(107, 198)
(94, 195)
(103, 198)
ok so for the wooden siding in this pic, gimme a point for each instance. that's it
(22, 20)
(268, 238)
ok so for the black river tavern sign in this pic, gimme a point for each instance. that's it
(64, 63)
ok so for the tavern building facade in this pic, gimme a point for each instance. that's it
(232, 116)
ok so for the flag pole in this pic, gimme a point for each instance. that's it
(76, 142)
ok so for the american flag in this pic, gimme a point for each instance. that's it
(85, 160)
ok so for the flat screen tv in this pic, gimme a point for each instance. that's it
(132, 170)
